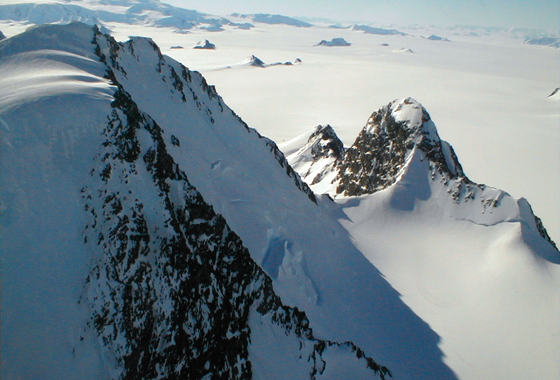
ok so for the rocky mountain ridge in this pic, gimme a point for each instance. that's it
(172, 298)
(152, 281)
(394, 137)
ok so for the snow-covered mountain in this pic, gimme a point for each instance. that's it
(140, 12)
(473, 261)
(273, 19)
(334, 42)
(148, 232)
(400, 146)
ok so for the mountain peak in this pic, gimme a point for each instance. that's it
(254, 61)
(410, 110)
(318, 156)
(400, 145)
(379, 154)
(324, 142)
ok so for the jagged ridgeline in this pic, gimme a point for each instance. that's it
(172, 291)
(380, 151)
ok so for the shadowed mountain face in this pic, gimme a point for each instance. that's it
(173, 296)
(142, 224)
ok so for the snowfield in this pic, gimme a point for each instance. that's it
(484, 290)
(467, 258)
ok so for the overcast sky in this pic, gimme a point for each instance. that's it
(536, 14)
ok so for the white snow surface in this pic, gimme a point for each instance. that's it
(485, 290)
(486, 89)
(47, 142)
(487, 93)
(307, 253)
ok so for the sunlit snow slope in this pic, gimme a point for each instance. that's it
(148, 232)
(471, 260)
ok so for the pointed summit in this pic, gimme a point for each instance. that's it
(383, 147)
(324, 143)
(318, 156)
(254, 61)
(204, 45)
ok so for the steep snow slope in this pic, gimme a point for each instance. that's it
(170, 290)
(308, 255)
(474, 262)
(114, 249)
(48, 139)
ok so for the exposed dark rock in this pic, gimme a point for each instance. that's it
(544, 41)
(171, 297)
(334, 42)
(381, 31)
(204, 45)
(254, 61)
(325, 143)
(433, 37)
(379, 153)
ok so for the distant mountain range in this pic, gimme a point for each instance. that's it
(158, 14)
(150, 12)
